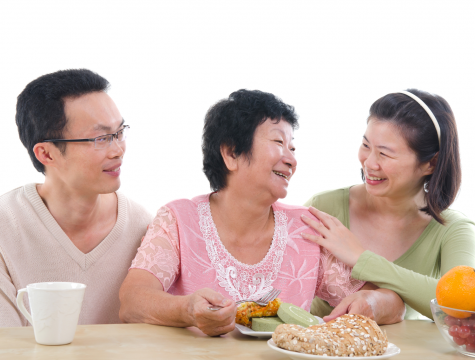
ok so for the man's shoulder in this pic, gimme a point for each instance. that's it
(17, 217)
(12, 202)
(11, 195)
(135, 211)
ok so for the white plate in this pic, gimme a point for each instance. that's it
(261, 334)
(391, 351)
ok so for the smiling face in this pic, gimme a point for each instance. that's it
(390, 166)
(83, 167)
(272, 161)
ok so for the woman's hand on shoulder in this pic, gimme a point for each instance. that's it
(212, 323)
(382, 305)
(334, 236)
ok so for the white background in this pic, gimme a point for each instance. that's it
(169, 61)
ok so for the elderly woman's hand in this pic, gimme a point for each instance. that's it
(334, 236)
(212, 323)
(382, 305)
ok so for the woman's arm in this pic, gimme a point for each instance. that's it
(155, 268)
(415, 289)
(458, 248)
(350, 296)
(382, 305)
(142, 300)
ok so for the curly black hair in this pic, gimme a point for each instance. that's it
(233, 122)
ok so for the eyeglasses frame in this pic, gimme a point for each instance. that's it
(114, 136)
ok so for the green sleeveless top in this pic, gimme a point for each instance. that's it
(414, 275)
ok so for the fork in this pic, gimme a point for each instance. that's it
(263, 301)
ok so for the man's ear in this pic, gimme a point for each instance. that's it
(46, 153)
(229, 157)
(430, 168)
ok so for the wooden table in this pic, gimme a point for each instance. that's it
(417, 340)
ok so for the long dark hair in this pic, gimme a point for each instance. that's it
(417, 128)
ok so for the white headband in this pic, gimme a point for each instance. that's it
(426, 108)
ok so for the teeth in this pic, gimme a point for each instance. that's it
(280, 174)
(374, 178)
(117, 169)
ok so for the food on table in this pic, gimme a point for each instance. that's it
(456, 289)
(249, 310)
(347, 335)
(268, 324)
(462, 331)
(291, 314)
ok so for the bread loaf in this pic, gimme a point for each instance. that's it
(347, 335)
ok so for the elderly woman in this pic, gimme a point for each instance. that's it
(237, 242)
(396, 230)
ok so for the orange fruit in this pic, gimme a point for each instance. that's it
(456, 289)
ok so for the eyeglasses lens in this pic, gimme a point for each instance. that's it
(122, 134)
(103, 141)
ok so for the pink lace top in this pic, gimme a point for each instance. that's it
(182, 249)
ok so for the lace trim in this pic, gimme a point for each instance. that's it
(243, 281)
(159, 252)
(334, 279)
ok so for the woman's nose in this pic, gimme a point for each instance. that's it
(290, 159)
(371, 162)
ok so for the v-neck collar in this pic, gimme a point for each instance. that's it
(219, 243)
(416, 243)
(83, 260)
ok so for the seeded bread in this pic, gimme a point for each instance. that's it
(347, 335)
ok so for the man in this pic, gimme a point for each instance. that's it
(75, 226)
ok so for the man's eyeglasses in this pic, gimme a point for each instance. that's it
(100, 142)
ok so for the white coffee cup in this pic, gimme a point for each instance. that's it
(55, 308)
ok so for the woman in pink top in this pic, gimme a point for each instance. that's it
(237, 242)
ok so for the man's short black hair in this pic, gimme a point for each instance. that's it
(233, 122)
(40, 106)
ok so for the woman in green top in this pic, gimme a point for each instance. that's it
(403, 236)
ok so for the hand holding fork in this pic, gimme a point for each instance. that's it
(263, 301)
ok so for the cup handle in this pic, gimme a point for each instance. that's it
(21, 305)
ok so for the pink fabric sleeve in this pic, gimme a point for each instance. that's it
(159, 253)
(334, 279)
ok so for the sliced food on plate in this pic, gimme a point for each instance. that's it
(296, 331)
(266, 323)
(267, 318)
(291, 314)
(248, 311)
